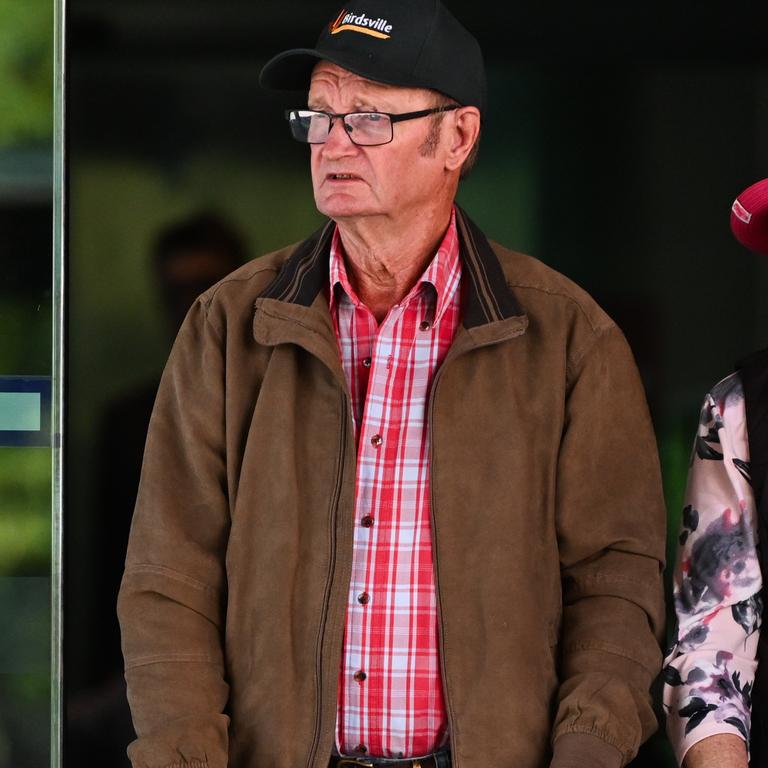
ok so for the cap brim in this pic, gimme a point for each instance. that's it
(292, 70)
(289, 70)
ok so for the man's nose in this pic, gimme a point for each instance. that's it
(339, 143)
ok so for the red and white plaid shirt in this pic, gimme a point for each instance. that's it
(390, 690)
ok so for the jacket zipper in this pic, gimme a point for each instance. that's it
(441, 629)
(455, 762)
(328, 583)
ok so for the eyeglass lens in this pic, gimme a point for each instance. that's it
(364, 128)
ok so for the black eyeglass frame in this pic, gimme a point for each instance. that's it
(393, 118)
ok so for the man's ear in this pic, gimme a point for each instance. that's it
(464, 128)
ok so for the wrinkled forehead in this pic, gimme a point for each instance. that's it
(329, 80)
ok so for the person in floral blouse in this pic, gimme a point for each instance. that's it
(710, 671)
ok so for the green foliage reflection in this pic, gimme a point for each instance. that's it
(26, 71)
(25, 528)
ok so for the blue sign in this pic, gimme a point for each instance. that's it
(25, 410)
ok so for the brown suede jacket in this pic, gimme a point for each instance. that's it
(547, 522)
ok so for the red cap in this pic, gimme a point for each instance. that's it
(749, 217)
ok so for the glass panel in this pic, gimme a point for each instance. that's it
(26, 320)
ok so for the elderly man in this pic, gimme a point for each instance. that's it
(400, 503)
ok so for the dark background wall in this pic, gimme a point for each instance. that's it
(617, 136)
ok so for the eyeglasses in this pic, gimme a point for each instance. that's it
(366, 129)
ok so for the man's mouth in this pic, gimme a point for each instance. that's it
(343, 177)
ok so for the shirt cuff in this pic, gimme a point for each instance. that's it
(707, 698)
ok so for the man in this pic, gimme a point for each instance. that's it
(717, 672)
(400, 503)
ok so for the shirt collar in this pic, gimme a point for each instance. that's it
(443, 272)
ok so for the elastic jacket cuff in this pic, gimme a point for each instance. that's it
(188, 764)
(582, 750)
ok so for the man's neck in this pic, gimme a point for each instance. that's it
(385, 257)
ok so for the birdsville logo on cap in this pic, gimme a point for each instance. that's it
(354, 22)
(741, 212)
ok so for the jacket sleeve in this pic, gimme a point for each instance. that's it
(611, 533)
(172, 596)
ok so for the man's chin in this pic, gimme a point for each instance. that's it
(344, 209)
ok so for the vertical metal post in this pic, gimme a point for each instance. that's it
(57, 410)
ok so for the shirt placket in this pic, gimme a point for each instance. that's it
(375, 549)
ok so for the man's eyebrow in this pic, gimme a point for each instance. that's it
(360, 106)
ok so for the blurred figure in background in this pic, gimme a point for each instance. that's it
(187, 258)
(190, 256)
(717, 676)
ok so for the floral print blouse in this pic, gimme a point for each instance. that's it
(710, 669)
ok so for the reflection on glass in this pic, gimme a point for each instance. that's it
(26, 134)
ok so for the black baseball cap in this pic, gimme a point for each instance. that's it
(412, 43)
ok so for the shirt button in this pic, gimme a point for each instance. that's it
(367, 522)
(425, 326)
(366, 362)
(363, 598)
(360, 676)
(376, 440)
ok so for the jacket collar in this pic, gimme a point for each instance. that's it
(490, 312)
(489, 299)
